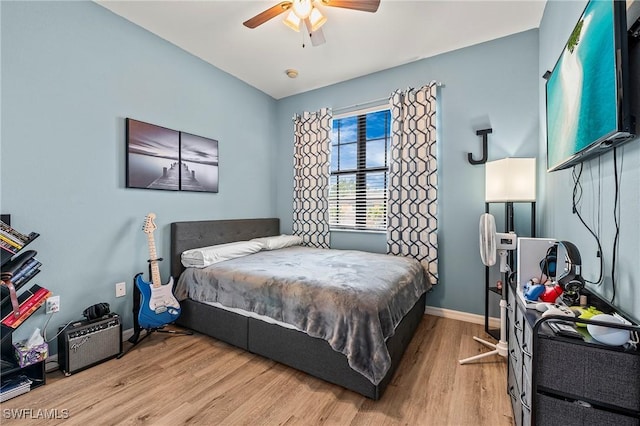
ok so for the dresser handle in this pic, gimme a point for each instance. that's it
(511, 393)
(517, 326)
(524, 405)
(525, 351)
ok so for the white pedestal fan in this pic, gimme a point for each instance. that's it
(492, 242)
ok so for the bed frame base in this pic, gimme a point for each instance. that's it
(297, 349)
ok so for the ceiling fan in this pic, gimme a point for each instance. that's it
(299, 11)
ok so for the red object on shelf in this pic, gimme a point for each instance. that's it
(36, 299)
(551, 293)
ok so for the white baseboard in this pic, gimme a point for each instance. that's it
(461, 316)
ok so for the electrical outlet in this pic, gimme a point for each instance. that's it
(53, 304)
(121, 289)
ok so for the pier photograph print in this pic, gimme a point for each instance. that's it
(161, 158)
(199, 163)
(153, 156)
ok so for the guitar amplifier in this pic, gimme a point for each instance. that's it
(89, 342)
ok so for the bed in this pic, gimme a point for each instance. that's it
(286, 345)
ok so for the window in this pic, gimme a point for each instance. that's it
(359, 169)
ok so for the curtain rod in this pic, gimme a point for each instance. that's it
(362, 105)
(370, 103)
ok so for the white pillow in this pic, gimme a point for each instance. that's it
(279, 241)
(205, 256)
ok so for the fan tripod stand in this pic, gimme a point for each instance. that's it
(501, 348)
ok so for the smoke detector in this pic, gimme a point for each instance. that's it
(291, 73)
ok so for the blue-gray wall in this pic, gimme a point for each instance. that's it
(71, 73)
(598, 184)
(493, 84)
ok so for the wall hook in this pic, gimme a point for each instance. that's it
(485, 142)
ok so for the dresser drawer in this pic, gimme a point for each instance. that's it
(515, 351)
(513, 388)
(527, 346)
(600, 375)
(519, 323)
(526, 397)
(556, 411)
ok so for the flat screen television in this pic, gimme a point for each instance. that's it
(587, 93)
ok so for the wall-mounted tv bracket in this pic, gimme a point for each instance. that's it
(485, 142)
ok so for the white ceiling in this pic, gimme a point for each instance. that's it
(357, 43)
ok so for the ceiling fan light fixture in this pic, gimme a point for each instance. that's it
(317, 19)
(302, 8)
(292, 21)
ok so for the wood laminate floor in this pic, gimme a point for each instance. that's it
(199, 380)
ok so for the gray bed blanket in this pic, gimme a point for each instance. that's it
(354, 300)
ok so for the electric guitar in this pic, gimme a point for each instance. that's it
(158, 305)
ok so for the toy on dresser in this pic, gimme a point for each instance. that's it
(556, 283)
(548, 291)
(549, 309)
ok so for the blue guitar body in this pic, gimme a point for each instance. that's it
(158, 305)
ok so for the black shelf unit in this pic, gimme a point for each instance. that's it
(4, 298)
(509, 226)
(10, 367)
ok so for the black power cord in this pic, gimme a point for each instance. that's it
(577, 197)
(616, 220)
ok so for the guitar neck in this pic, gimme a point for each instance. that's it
(153, 256)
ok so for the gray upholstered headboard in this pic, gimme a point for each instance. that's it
(188, 235)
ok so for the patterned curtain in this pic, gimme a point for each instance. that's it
(413, 185)
(312, 144)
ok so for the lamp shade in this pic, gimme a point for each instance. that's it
(317, 19)
(510, 179)
(292, 21)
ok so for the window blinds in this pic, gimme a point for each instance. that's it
(359, 171)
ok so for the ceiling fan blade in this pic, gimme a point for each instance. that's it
(317, 36)
(270, 13)
(362, 5)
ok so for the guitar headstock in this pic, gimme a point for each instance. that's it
(149, 224)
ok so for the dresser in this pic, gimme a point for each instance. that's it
(556, 380)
